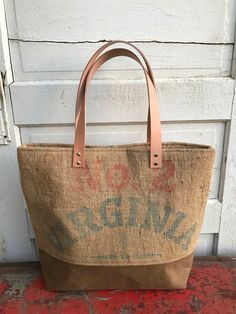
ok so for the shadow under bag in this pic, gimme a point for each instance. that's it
(116, 217)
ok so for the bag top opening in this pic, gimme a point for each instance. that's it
(137, 146)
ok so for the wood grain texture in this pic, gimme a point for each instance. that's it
(204, 245)
(53, 102)
(50, 61)
(15, 243)
(227, 235)
(5, 63)
(165, 20)
(5, 136)
(233, 68)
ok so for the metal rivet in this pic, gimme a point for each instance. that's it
(155, 154)
(78, 154)
(155, 163)
(78, 162)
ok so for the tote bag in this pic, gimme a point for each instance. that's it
(116, 217)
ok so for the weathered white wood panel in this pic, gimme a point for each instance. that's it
(165, 20)
(47, 61)
(4, 123)
(233, 68)
(5, 63)
(15, 244)
(205, 245)
(203, 133)
(211, 222)
(5, 77)
(53, 102)
(227, 235)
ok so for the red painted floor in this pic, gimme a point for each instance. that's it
(211, 289)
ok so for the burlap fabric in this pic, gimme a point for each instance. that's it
(117, 211)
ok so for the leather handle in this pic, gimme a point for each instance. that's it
(155, 130)
(91, 62)
(96, 55)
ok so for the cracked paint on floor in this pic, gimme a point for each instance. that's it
(211, 289)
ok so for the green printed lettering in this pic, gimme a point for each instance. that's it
(59, 237)
(132, 220)
(170, 232)
(83, 226)
(116, 213)
(158, 222)
(186, 237)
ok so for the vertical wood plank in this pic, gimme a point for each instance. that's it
(15, 244)
(233, 68)
(5, 63)
(5, 137)
(227, 234)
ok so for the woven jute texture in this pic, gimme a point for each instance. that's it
(117, 211)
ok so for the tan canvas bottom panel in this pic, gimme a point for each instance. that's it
(59, 275)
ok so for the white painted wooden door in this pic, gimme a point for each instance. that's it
(190, 47)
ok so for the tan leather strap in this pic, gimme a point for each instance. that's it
(88, 67)
(79, 146)
(110, 54)
(96, 55)
(155, 138)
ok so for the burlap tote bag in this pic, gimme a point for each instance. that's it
(116, 217)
